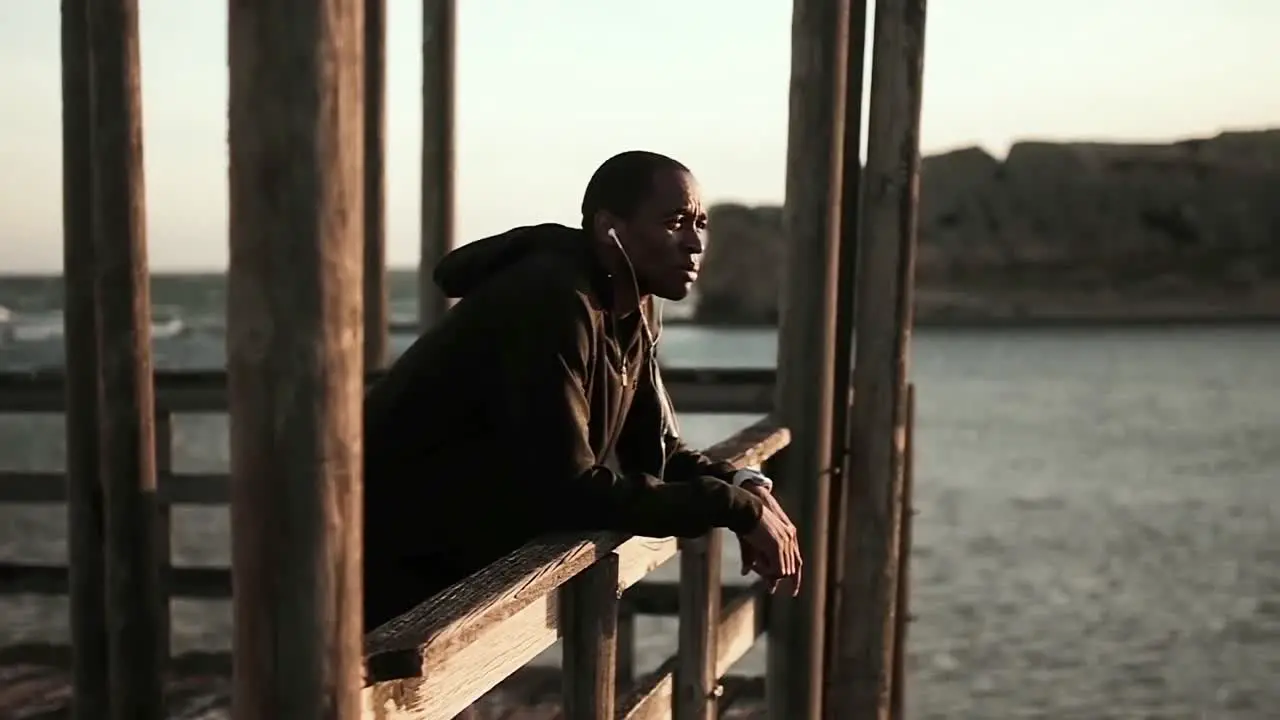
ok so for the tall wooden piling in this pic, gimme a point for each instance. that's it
(886, 273)
(806, 343)
(125, 393)
(295, 356)
(376, 329)
(842, 392)
(85, 523)
(439, 34)
(902, 607)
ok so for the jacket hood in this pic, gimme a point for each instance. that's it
(468, 267)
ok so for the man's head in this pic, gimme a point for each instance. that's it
(653, 204)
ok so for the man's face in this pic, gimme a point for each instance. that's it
(666, 237)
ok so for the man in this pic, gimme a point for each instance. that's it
(496, 426)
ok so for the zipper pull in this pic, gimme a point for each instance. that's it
(624, 373)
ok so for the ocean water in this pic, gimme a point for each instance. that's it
(1099, 528)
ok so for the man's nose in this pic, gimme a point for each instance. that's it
(692, 242)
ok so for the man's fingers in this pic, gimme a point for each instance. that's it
(788, 584)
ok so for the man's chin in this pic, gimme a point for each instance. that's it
(675, 293)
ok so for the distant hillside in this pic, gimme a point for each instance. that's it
(1078, 231)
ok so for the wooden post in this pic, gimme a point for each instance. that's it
(164, 531)
(806, 344)
(376, 330)
(842, 394)
(590, 612)
(697, 687)
(295, 356)
(85, 531)
(439, 30)
(626, 672)
(902, 610)
(127, 432)
(886, 273)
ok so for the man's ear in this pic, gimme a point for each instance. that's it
(602, 223)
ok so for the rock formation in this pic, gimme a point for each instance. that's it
(1079, 231)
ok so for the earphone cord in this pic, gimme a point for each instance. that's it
(669, 422)
(650, 340)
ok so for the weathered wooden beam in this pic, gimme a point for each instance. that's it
(36, 488)
(741, 621)
(214, 583)
(295, 355)
(441, 657)
(902, 610)
(806, 343)
(886, 275)
(377, 329)
(24, 487)
(697, 685)
(694, 390)
(126, 421)
(589, 623)
(439, 59)
(447, 652)
(184, 488)
(206, 583)
(846, 292)
(164, 533)
(83, 486)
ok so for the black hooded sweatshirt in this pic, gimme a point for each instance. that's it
(496, 425)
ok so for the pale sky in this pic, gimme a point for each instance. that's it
(548, 89)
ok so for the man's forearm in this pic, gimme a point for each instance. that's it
(685, 464)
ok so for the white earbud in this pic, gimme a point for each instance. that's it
(614, 234)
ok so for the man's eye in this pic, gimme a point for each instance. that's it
(674, 223)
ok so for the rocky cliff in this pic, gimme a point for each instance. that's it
(1086, 232)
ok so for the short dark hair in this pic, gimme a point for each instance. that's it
(623, 182)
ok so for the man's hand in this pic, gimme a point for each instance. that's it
(772, 549)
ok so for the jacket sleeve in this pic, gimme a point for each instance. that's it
(651, 431)
(542, 375)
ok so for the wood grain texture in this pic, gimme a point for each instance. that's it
(806, 342)
(83, 486)
(441, 656)
(126, 431)
(697, 689)
(741, 621)
(377, 335)
(295, 356)
(439, 59)
(862, 676)
(589, 625)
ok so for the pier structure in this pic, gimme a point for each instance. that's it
(307, 329)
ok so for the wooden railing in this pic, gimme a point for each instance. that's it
(693, 390)
(436, 660)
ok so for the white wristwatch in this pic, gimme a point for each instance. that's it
(747, 476)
